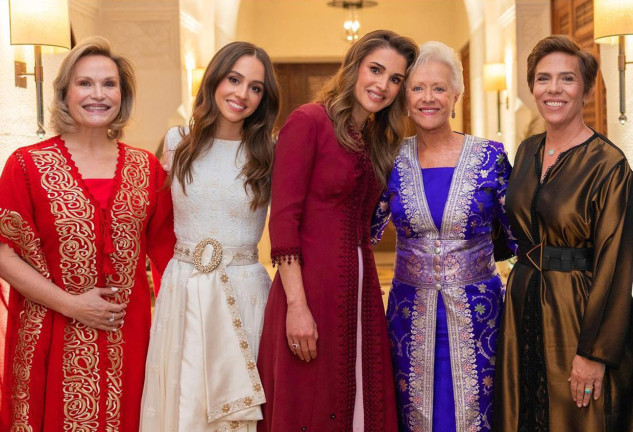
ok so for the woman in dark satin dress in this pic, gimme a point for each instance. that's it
(564, 358)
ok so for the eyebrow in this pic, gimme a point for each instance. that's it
(242, 76)
(384, 68)
(559, 73)
(91, 79)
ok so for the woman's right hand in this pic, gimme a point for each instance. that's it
(91, 309)
(301, 331)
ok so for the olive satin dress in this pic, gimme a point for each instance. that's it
(555, 310)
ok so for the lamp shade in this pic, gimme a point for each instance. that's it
(612, 18)
(40, 22)
(495, 76)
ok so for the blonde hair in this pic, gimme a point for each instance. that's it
(384, 134)
(61, 120)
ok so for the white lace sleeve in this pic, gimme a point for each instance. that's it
(172, 139)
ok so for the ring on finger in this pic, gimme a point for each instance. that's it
(588, 390)
(295, 346)
(111, 319)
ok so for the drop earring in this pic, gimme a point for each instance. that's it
(453, 114)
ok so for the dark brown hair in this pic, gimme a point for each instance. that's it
(257, 137)
(587, 63)
(61, 120)
(386, 131)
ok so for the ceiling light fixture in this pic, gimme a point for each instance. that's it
(352, 24)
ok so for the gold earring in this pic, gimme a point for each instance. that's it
(453, 114)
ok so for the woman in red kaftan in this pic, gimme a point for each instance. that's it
(324, 355)
(79, 213)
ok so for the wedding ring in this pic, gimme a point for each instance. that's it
(111, 319)
(295, 346)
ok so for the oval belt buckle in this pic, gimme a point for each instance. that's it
(216, 257)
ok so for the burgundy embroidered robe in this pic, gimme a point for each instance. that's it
(323, 197)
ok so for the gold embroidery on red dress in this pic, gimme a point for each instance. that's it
(74, 214)
(128, 214)
(13, 227)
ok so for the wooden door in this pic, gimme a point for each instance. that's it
(574, 18)
(466, 119)
(299, 83)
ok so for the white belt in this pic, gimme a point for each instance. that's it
(197, 254)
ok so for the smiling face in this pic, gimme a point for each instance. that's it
(94, 92)
(559, 89)
(239, 93)
(431, 96)
(380, 77)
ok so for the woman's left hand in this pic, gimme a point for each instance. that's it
(585, 374)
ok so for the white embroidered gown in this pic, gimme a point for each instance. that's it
(201, 370)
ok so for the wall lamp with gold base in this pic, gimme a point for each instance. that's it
(495, 80)
(613, 20)
(38, 23)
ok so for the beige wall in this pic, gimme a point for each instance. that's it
(309, 30)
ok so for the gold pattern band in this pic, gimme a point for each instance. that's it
(257, 391)
(15, 229)
(129, 212)
(73, 215)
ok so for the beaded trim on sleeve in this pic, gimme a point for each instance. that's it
(287, 255)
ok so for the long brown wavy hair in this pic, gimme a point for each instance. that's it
(386, 130)
(257, 137)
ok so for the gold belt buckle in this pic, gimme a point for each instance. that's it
(538, 266)
(216, 257)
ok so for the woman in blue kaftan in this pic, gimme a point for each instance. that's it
(445, 197)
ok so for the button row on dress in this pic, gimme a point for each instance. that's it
(437, 268)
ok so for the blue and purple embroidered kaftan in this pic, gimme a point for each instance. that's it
(446, 298)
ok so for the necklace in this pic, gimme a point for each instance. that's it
(552, 150)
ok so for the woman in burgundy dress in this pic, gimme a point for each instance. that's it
(324, 354)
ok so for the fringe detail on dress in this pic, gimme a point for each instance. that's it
(287, 255)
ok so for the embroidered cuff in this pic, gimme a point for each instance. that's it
(287, 255)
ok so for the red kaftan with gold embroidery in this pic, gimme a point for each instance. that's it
(58, 374)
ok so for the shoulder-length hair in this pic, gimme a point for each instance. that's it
(384, 134)
(61, 120)
(257, 139)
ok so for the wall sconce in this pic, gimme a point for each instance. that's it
(495, 80)
(613, 20)
(38, 23)
(352, 24)
(196, 80)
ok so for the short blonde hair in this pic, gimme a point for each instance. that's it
(61, 120)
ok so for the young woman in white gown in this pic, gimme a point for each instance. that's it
(201, 370)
